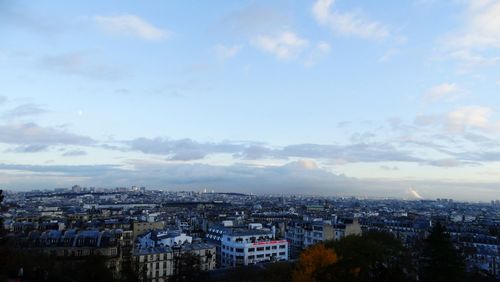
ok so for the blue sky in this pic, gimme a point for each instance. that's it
(379, 99)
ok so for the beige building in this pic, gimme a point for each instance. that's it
(318, 232)
(302, 234)
(346, 228)
(158, 263)
(78, 245)
(140, 227)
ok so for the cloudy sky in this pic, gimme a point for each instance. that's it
(372, 98)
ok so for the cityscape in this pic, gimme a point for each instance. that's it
(250, 140)
(146, 234)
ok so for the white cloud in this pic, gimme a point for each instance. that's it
(442, 91)
(483, 25)
(224, 52)
(290, 178)
(285, 46)
(306, 164)
(317, 53)
(74, 153)
(131, 25)
(473, 42)
(476, 117)
(462, 121)
(347, 23)
(388, 55)
(414, 193)
(33, 134)
(81, 64)
(25, 110)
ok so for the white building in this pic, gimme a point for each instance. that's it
(163, 238)
(243, 246)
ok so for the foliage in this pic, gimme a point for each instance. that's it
(1, 219)
(440, 260)
(38, 267)
(374, 256)
(188, 268)
(270, 272)
(312, 261)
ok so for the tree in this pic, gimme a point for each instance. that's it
(250, 273)
(2, 231)
(188, 268)
(277, 272)
(269, 272)
(440, 261)
(374, 256)
(94, 268)
(312, 261)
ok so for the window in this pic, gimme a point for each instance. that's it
(282, 253)
(251, 250)
(239, 250)
(282, 246)
(275, 247)
(260, 249)
(268, 248)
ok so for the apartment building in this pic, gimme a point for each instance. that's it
(238, 246)
(159, 263)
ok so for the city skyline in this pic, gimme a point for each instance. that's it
(312, 97)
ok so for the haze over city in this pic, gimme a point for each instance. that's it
(342, 98)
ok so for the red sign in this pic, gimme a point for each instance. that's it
(269, 242)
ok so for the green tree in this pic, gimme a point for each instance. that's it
(2, 231)
(269, 272)
(374, 256)
(188, 268)
(440, 261)
(251, 273)
(277, 272)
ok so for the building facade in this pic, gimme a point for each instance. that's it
(239, 246)
(158, 264)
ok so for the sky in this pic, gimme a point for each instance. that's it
(322, 97)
